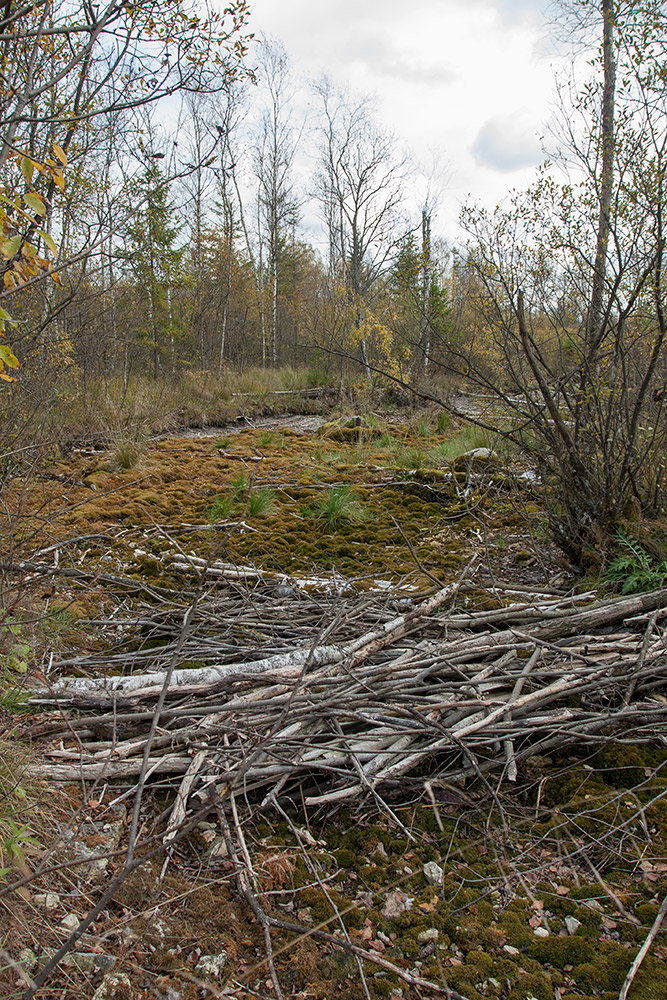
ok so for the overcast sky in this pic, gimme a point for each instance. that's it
(469, 83)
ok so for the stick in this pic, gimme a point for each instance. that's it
(369, 956)
(643, 951)
(243, 882)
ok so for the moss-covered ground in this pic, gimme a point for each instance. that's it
(422, 514)
(548, 888)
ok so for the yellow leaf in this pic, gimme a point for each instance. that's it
(8, 358)
(58, 177)
(9, 247)
(48, 240)
(58, 150)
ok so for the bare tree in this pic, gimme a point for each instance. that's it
(359, 189)
(570, 326)
(273, 161)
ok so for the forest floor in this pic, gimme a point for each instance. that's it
(540, 889)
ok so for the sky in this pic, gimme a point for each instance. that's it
(467, 85)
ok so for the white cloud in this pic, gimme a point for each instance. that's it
(505, 144)
(468, 77)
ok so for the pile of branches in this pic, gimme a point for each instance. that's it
(324, 700)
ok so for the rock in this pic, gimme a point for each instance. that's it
(510, 950)
(114, 986)
(349, 429)
(477, 456)
(430, 934)
(396, 903)
(70, 922)
(541, 932)
(572, 925)
(171, 994)
(433, 873)
(49, 900)
(89, 961)
(212, 965)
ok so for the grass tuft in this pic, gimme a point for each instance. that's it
(262, 501)
(220, 509)
(340, 506)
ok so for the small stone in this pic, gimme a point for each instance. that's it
(510, 950)
(212, 965)
(86, 961)
(430, 934)
(396, 904)
(541, 932)
(70, 922)
(433, 873)
(218, 848)
(475, 456)
(572, 925)
(115, 984)
(49, 900)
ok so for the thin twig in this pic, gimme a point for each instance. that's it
(643, 951)
(243, 881)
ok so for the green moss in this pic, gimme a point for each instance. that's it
(529, 986)
(560, 951)
(625, 766)
(383, 987)
(572, 787)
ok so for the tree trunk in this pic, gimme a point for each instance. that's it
(596, 319)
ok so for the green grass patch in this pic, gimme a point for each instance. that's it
(339, 506)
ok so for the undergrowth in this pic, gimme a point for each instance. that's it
(634, 568)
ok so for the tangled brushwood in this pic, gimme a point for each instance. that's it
(284, 696)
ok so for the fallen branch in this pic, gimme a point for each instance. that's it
(643, 951)
(377, 702)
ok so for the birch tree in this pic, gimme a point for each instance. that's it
(274, 158)
(359, 190)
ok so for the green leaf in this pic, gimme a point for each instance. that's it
(9, 247)
(7, 358)
(27, 167)
(35, 202)
(48, 240)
